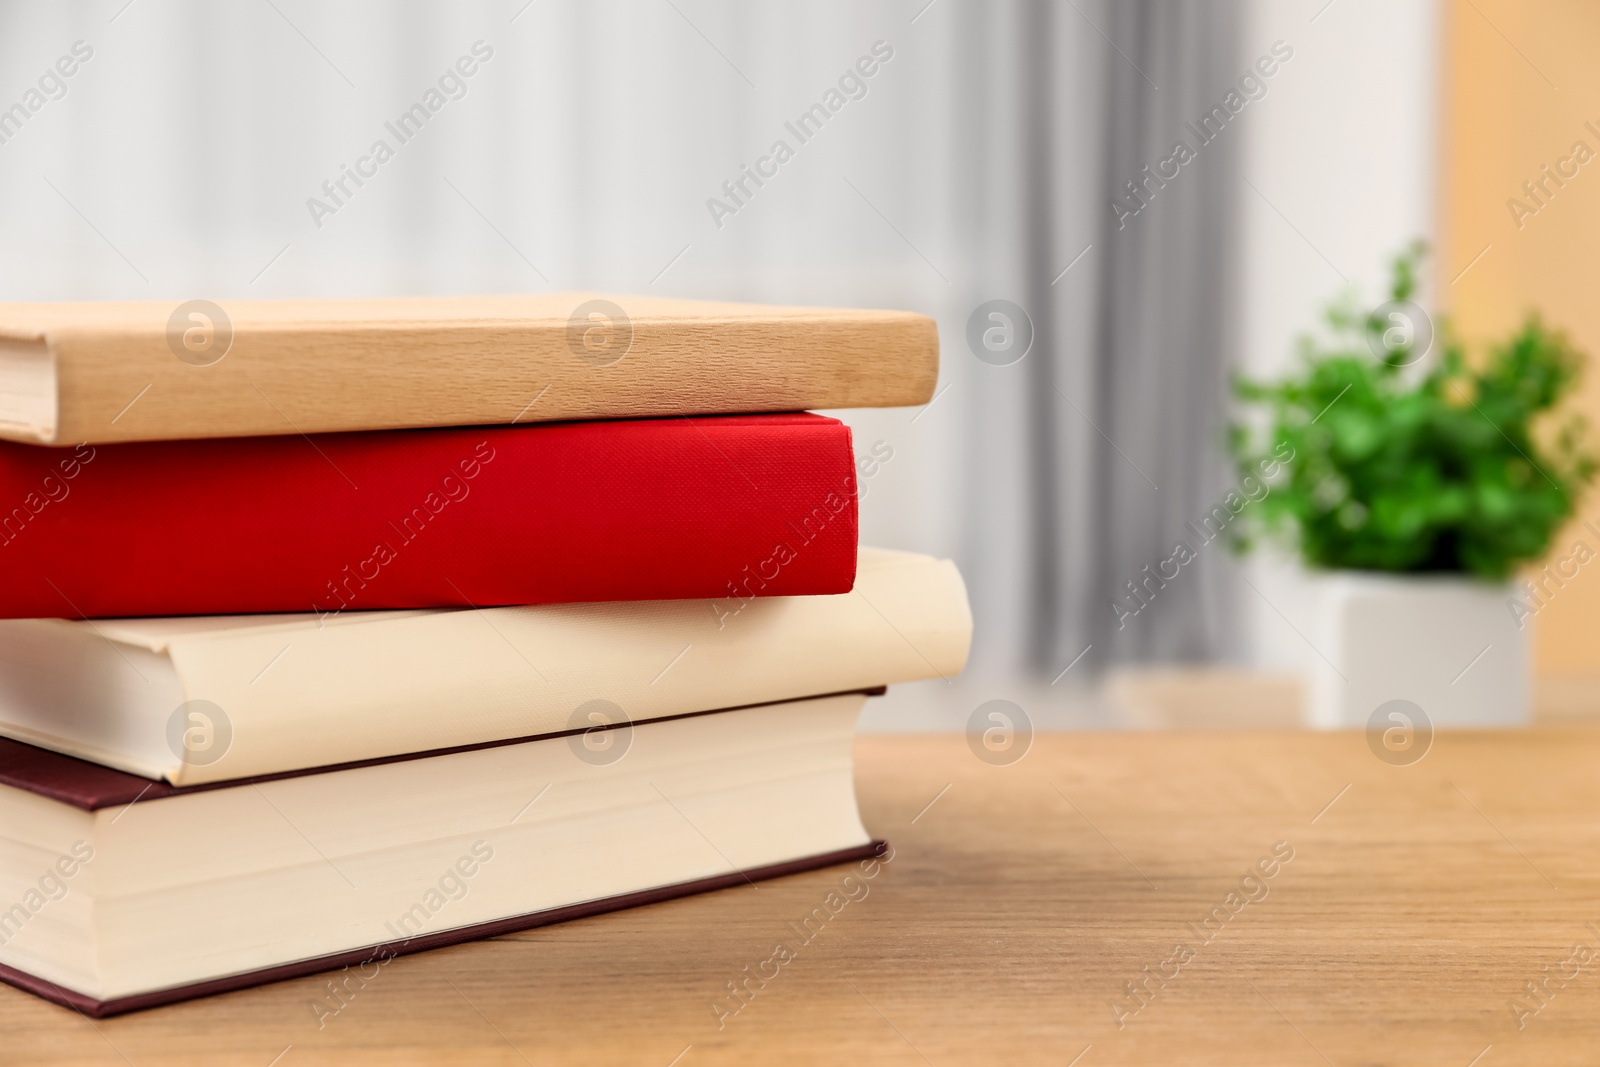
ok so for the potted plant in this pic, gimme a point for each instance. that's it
(1412, 487)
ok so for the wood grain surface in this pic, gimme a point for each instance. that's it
(1419, 901)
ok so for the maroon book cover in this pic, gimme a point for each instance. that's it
(90, 786)
(367, 955)
(644, 509)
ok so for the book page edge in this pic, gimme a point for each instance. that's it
(30, 407)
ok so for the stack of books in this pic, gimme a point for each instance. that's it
(331, 631)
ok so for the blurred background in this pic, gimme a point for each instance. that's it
(999, 151)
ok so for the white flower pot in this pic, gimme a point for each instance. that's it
(1448, 643)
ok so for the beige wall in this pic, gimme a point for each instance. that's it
(1503, 119)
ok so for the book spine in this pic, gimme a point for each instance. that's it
(126, 381)
(719, 507)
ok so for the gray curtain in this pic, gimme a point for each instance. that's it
(1127, 434)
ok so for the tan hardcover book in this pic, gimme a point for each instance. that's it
(159, 370)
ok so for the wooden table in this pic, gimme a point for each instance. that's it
(1021, 899)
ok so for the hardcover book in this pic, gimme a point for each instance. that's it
(641, 509)
(96, 373)
(119, 893)
(195, 700)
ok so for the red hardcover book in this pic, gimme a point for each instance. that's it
(649, 509)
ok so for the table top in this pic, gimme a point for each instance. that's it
(1283, 898)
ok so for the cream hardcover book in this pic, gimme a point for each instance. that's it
(206, 699)
(119, 893)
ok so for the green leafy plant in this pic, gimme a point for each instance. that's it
(1378, 461)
